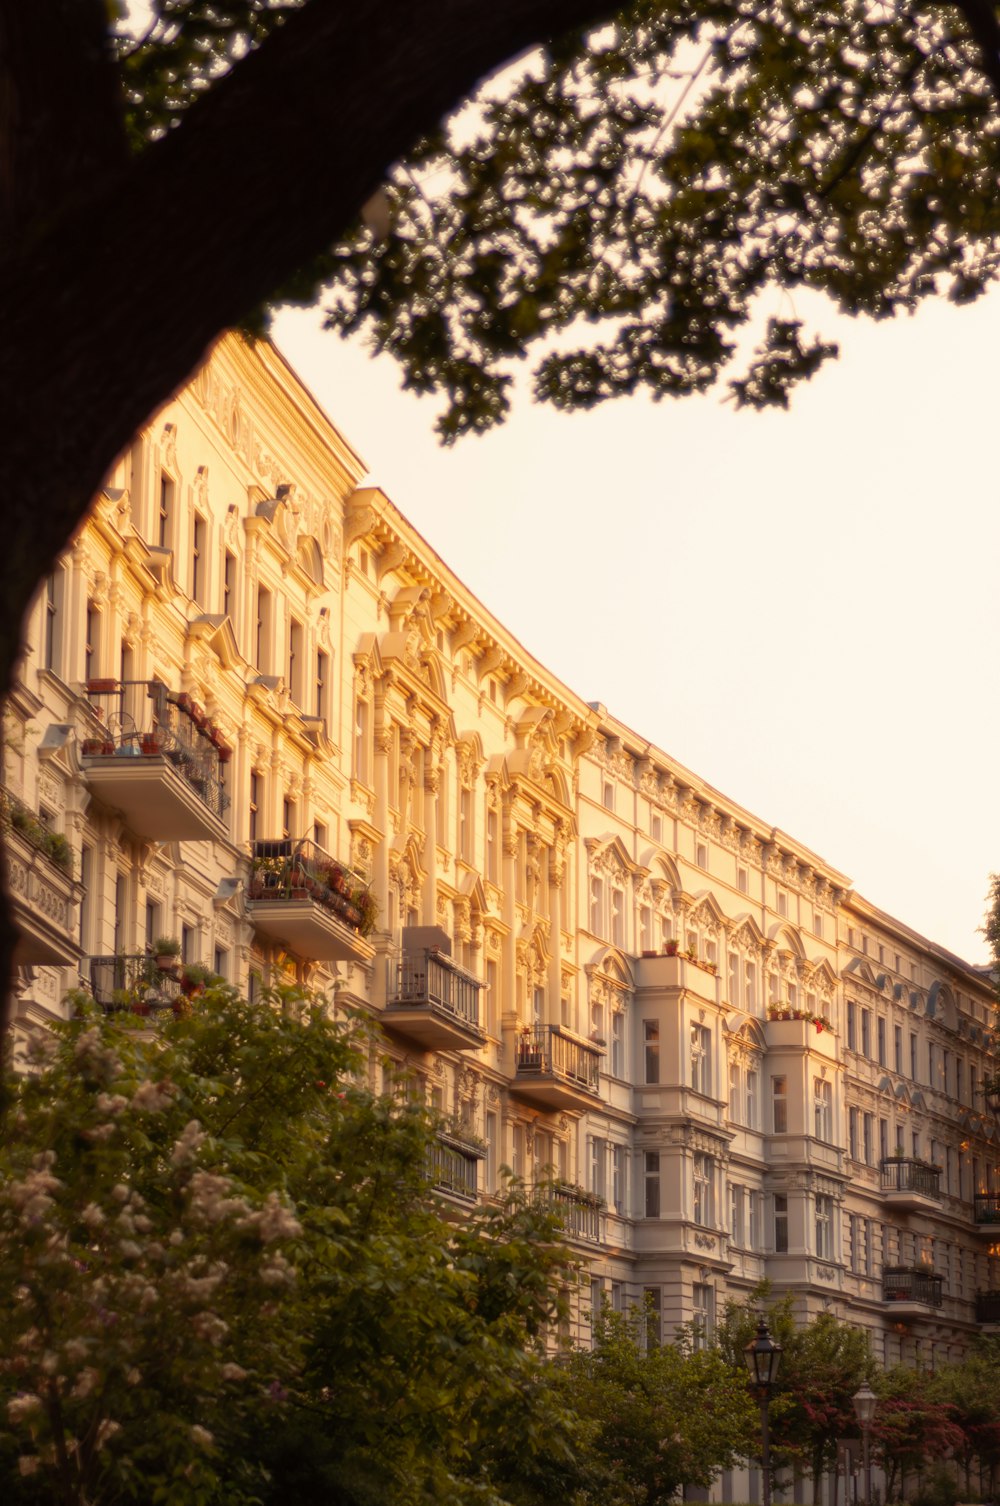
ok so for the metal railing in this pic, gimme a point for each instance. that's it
(580, 1212)
(911, 1176)
(543, 1049)
(452, 1167)
(143, 718)
(431, 977)
(987, 1208)
(288, 868)
(912, 1284)
(130, 982)
(988, 1307)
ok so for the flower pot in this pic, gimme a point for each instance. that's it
(101, 687)
(150, 742)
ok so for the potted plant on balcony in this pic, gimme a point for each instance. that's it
(367, 906)
(671, 948)
(195, 978)
(151, 743)
(166, 950)
(105, 686)
(56, 846)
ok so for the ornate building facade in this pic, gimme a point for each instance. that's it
(257, 713)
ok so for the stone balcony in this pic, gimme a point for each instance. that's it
(301, 898)
(434, 1002)
(911, 1291)
(38, 869)
(555, 1069)
(157, 760)
(909, 1184)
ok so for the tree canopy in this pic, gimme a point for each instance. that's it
(643, 177)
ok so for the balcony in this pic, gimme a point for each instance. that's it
(986, 1211)
(911, 1290)
(910, 1184)
(580, 1212)
(303, 899)
(453, 1167)
(132, 983)
(556, 1070)
(988, 1309)
(435, 1002)
(158, 761)
(38, 869)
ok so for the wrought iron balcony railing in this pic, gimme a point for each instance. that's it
(912, 1284)
(431, 977)
(910, 1175)
(544, 1050)
(988, 1307)
(286, 869)
(579, 1210)
(987, 1208)
(131, 983)
(452, 1166)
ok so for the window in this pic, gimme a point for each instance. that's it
(883, 1139)
(86, 876)
(750, 988)
(220, 962)
(228, 583)
(287, 817)
(818, 923)
(617, 1043)
(656, 828)
(742, 880)
(703, 1313)
(651, 1041)
(323, 687)
(780, 1223)
(608, 796)
(165, 518)
(189, 939)
(779, 1105)
(736, 1202)
(262, 631)
(703, 1209)
(753, 1097)
(852, 1133)
(824, 1226)
(53, 622)
(753, 1220)
(734, 978)
(598, 1165)
(617, 917)
(883, 1059)
(852, 1025)
(701, 1059)
(596, 906)
(913, 1056)
(92, 642)
(362, 738)
(822, 1109)
(735, 1104)
(701, 855)
(466, 836)
(867, 1138)
(492, 847)
(866, 1033)
(619, 1172)
(897, 1048)
(296, 661)
(152, 922)
(254, 804)
(651, 1170)
(199, 528)
(782, 903)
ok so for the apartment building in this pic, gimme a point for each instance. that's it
(258, 713)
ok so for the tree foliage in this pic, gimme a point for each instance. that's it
(225, 1279)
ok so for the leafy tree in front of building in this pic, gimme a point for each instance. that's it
(223, 1279)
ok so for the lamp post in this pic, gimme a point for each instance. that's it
(865, 1401)
(762, 1356)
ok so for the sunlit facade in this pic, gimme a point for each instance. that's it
(259, 715)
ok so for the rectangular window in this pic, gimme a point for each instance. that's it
(323, 688)
(296, 661)
(228, 583)
(92, 642)
(656, 828)
(199, 528)
(852, 1025)
(608, 796)
(735, 1104)
(779, 1105)
(883, 1059)
(220, 962)
(883, 1139)
(703, 1172)
(780, 1223)
(598, 1165)
(254, 805)
(362, 732)
(53, 622)
(165, 519)
(742, 880)
(86, 878)
(913, 1056)
(701, 1059)
(617, 1043)
(651, 1041)
(262, 630)
(188, 940)
(617, 917)
(753, 1097)
(897, 1048)
(867, 1138)
(701, 855)
(465, 832)
(822, 1109)
(866, 1033)
(824, 1226)
(651, 1171)
(753, 1220)
(619, 1191)
(852, 1133)
(750, 994)
(492, 847)
(703, 1314)
(736, 1202)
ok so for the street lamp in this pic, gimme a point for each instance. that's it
(762, 1356)
(865, 1401)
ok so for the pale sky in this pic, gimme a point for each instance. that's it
(800, 607)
